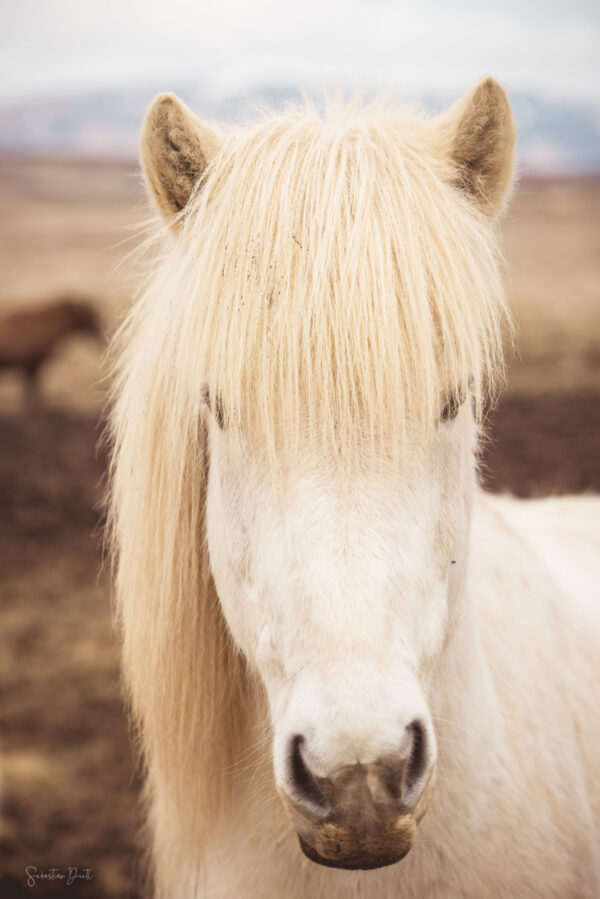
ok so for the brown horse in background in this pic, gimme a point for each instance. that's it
(29, 335)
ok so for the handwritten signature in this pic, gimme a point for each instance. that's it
(70, 875)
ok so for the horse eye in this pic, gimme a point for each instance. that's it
(216, 406)
(450, 410)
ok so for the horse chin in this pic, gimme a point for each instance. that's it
(335, 847)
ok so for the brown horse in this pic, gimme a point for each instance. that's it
(29, 335)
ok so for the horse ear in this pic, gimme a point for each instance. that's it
(478, 135)
(175, 148)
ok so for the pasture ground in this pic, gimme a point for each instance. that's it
(69, 787)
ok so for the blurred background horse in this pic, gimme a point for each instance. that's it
(30, 334)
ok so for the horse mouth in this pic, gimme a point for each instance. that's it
(356, 858)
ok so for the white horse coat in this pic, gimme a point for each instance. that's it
(352, 673)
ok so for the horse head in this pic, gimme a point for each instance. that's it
(333, 317)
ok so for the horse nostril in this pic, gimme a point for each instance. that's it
(417, 762)
(304, 784)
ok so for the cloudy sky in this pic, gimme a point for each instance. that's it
(53, 47)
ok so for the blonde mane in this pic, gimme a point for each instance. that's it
(332, 287)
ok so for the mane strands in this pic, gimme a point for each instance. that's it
(332, 287)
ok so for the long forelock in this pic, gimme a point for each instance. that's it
(331, 282)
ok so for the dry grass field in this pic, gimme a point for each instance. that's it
(69, 786)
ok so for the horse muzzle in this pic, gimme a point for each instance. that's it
(361, 817)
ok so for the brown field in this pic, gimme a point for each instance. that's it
(69, 788)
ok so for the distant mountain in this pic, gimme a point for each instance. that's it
(557, 138)
(554, 138)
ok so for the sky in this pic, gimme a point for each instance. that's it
(56, 47)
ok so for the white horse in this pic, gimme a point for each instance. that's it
(328, 628)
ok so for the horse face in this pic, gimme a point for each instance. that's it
(342, 600)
